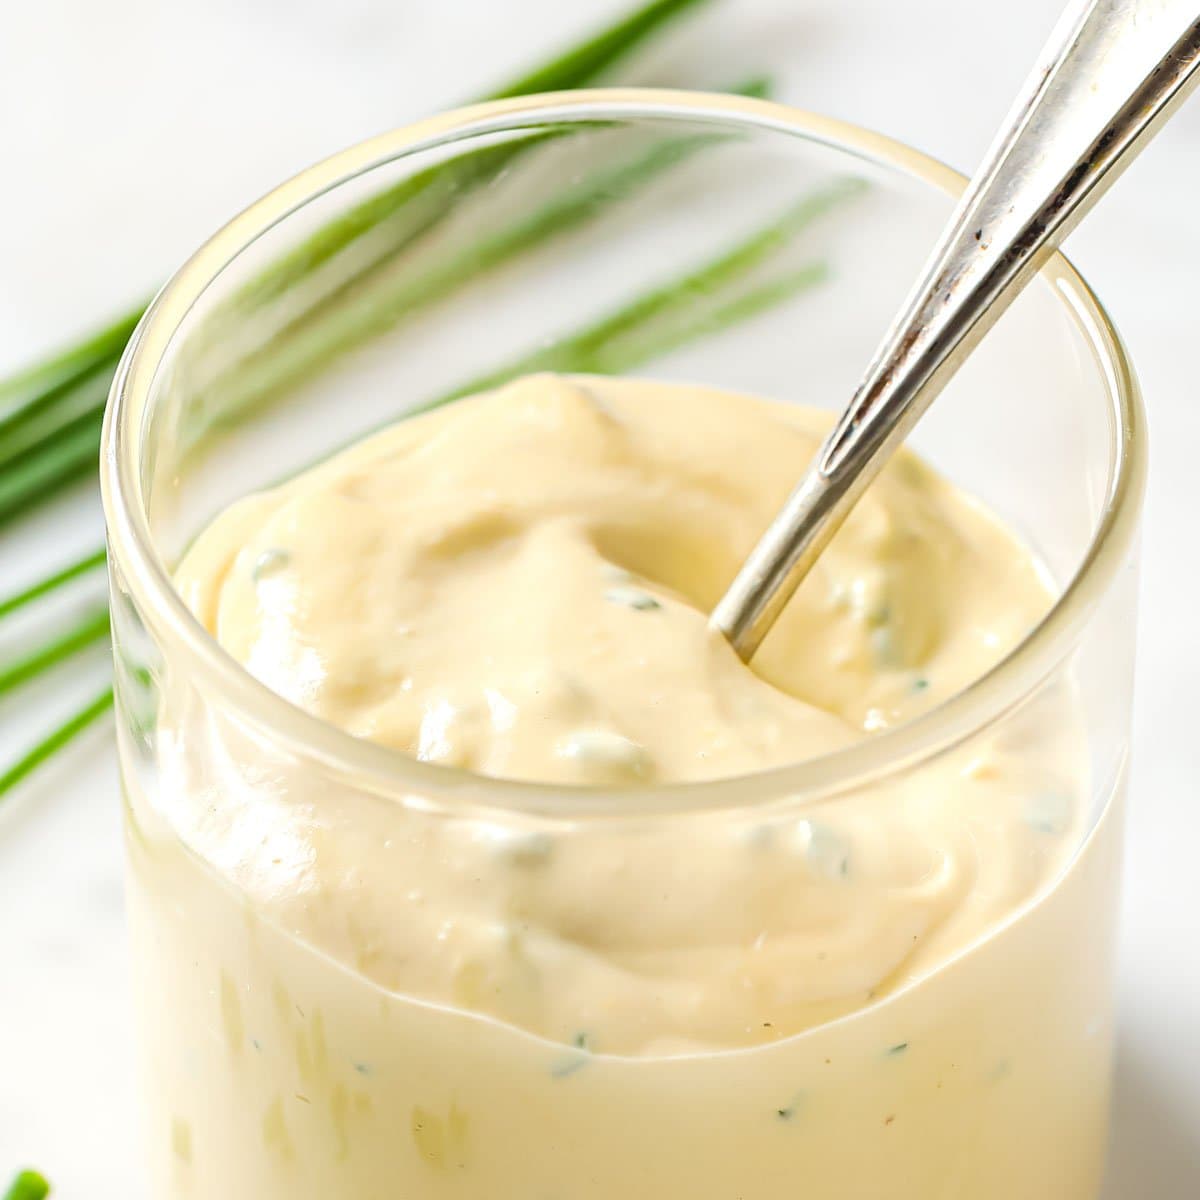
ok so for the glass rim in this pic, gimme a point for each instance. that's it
(389, 771)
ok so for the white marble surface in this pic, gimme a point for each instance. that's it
(130, 129)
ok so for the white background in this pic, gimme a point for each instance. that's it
(130, 129)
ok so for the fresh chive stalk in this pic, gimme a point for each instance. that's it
(678, 311)
(89, 562)
(625, 356)
(66, 456)
(53, 742)
(42, 384)
(580, 65)
(93, 628)
(391, 221)
(78, 400)
(56, 405)
(587, 60)
(335, 326)
(398, 217)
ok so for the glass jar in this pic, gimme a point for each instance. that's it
(728, 242)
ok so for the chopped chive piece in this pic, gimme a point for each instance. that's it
(758, 836)
(604, 753)
(899, 1048)
(825, 849)
(1049, 813)
(568, 1068)
(87, 563)
(632, 598)
(49, 745)
(883, 643)
(920, 684)
(28, 1185)
(524, 849)
(268, 562)
(581, 1043)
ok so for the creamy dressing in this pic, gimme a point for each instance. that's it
(518, 586)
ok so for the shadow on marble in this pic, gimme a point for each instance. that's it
(1155, 1150)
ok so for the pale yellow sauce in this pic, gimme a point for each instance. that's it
(518, 585)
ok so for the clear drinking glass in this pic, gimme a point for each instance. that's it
(706, 239)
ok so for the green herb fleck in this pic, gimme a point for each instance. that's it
(606, 752)
(899, 1048)
(920, 684)
(523, 849)
(789, 1110)
(1048, 813)
(883, 645)
(362, 1068)
(758, 837)
(825, 850)
(632, 598)
(268, 562)
(28, 1185)
(568, 1066)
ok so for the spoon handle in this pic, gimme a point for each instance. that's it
(1111, 74)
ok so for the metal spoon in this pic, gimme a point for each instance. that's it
(1111, 74)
